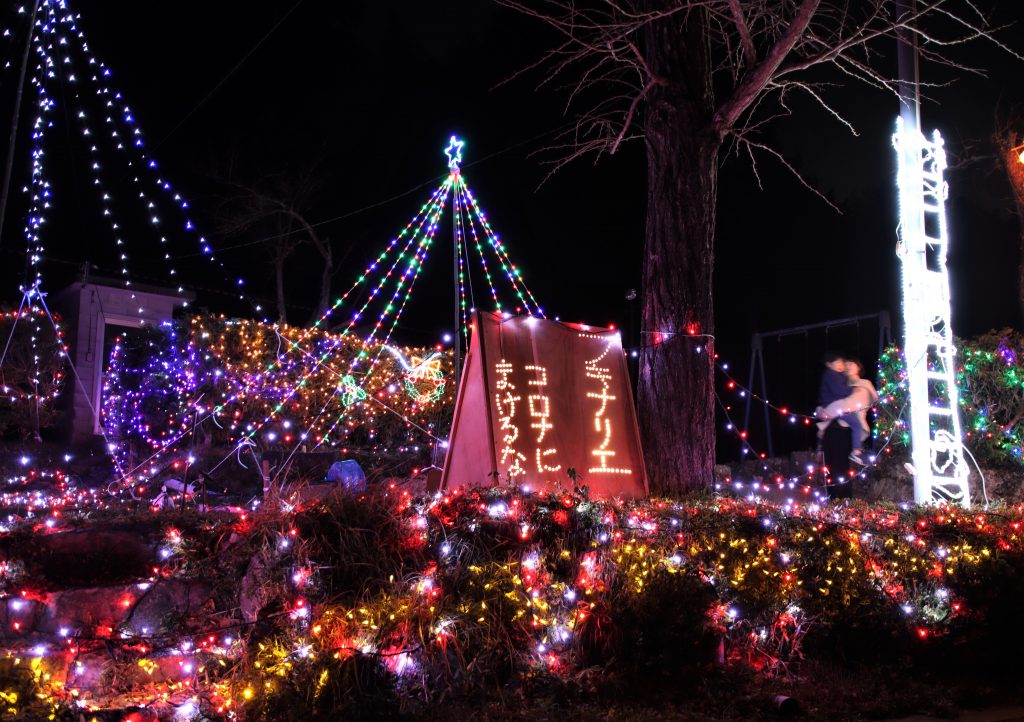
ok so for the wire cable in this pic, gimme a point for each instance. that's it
(231, 72)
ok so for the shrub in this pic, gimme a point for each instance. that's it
(212, 381)
(31, 375)
(990, 382)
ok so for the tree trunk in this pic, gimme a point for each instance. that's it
(326, 276)
(676, 386)
(1020, 260)
(1020, 267)
(1014, 167)
(1008, 144)
(279, 258)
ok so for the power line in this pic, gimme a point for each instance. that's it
(371, 206)
(229, 74)
(221, 249)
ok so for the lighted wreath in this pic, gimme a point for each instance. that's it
(424, 379)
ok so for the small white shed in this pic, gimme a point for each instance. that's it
(89, 308)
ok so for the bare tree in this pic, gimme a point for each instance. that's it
(276, 206)
(1009, 142)
(694, 78)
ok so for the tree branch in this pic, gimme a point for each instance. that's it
(756, 81)
(746, 42)
(632, 111)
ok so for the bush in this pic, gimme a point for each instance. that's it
(209, 381)
(32, 374)
(990, 382)
(385, 603)
(493, 592)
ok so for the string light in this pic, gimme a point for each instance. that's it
(294, 347)
(230, 375)
(38, 384)
(506, 401)
(419, 243)
(63, 54)
(511, 271)
(602, 424)
(298, 365)
(461, 197)
(763, 582)
(539, 407)
(424, 219)
(940, 469)
(988, 381)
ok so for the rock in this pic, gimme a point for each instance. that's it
(298, 493)
(96, 675)
(722, 473)
(253, 594)
(93, 611)
(83, 558)
(171, 598)
(19, 617)
(99, 611)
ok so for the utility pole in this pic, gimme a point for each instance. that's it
(908, 67)
(454, 153)
(457, 252)
(5, 191)
(936, 437)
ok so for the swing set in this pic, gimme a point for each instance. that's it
(757, 366)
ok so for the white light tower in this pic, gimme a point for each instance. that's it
(940, 471)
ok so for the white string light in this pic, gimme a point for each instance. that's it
(940, 470)
(63, 53)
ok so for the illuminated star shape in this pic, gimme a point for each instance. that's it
(454, 152)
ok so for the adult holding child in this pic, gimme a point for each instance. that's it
(852, 409)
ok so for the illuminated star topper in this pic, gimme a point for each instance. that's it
(454, 152)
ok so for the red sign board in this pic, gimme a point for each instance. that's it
(538, 398)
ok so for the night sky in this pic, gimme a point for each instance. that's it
(363, 96)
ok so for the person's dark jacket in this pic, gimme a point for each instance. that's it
(834, 386)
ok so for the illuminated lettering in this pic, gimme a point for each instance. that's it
(505, 402)
(539, 406)
(540, 397)
(602, 424)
